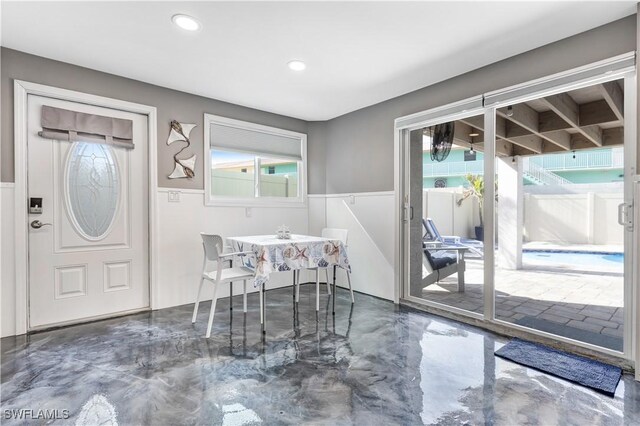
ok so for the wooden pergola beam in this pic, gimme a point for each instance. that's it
(523, 115)
(597, 112)
(567, 109)
(464, 129)
(527, 122)
(610, 138)
(614, 96)
(501, 134)
(531, 142)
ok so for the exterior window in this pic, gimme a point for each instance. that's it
(282, 184)
(228, 177)
(249, 164)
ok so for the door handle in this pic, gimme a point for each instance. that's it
(625, 215)
(36, 224)
(621, 213)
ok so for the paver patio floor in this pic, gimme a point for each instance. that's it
(584, 305)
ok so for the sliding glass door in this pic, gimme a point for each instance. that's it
(560, 236)
(447, 193)
(525, 219)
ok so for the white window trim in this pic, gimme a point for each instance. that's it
(209, 200)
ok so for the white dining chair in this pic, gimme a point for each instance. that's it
(214, 270)
(333, 234)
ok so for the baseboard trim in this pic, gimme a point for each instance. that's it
(87, 320)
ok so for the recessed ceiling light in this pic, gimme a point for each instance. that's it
(186, 22)
(297, 65)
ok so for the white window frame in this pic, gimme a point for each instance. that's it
(256, 201)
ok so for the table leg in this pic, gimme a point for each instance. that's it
(261, 307)
(317, 290)
(334, 289)
(264, 310)
(231, 288)
(294, 284)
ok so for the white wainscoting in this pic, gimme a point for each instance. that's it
(7, 263)
(180, 247)
(369, 219)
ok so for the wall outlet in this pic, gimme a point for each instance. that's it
(174, 196)
(247, 212)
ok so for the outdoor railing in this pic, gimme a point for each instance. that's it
(601, 159)
(540, 175)
(454, 168)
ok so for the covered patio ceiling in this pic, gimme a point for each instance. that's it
(585, 118)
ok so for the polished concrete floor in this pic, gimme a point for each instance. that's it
(376, 364)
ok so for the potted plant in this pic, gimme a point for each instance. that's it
(475, 189)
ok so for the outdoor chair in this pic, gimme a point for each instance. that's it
(432, 234)
(436, 267)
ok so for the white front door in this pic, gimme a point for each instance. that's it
(88, 249)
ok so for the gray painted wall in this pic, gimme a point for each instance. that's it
(350, 153)
(171, 104)
(316, 152)
(359, 151)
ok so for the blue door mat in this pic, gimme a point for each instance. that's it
(583, 371)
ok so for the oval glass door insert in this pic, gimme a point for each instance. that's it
(92, 188)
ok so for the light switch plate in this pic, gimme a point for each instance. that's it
(174, 196)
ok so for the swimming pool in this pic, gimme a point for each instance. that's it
(589, 260)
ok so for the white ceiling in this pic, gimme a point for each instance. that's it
(357, 53)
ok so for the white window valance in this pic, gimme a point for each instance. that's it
(232, 138)
(66, 125)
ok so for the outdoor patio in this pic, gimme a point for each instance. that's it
(580, 304)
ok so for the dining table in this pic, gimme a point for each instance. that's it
(271, 253)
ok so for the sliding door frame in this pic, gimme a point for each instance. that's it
(403, 127)
(622, 66)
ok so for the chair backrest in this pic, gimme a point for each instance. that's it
(430, 226)
(336, 234)
(213, 245)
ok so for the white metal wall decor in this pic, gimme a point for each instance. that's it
(180, 133)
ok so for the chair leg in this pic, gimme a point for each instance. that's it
(350, 289)
(231, 296)
(195, 307)
(244, 296)
(213, 309)
(326, 272)
(298, 287)
(317, 290)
